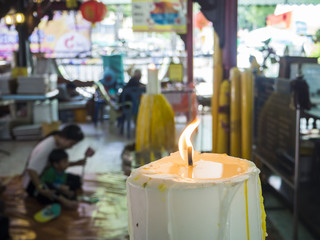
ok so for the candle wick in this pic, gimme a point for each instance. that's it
(190, 160)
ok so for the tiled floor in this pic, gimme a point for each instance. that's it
(281, 217)
(108, 148)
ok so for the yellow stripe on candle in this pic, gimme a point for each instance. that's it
(263, 214)
(247, 212)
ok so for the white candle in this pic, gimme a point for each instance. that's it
(153, 85)
(218, 198)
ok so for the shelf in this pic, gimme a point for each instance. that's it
(30, 97)
(274, 169)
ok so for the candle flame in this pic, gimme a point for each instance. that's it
(152, 66)
(185, 139)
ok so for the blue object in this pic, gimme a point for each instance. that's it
(114, 63)
(109, 81)
(164, 18)
(109, 77)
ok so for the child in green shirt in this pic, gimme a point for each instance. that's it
(55, 177)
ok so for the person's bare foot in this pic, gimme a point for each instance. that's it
(70, 204)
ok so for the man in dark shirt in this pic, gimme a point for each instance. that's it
(135, 80)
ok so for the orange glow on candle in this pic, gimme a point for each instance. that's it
(185, 139)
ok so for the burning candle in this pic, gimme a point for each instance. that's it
(213, 197)
(153, 85)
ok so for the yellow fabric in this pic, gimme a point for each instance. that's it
(155, 124)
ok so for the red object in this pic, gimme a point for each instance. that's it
(89, 152)
(93, 11)
(201, 20)
(281, 20)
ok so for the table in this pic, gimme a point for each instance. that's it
(182, 101)
(79, 109)
(30, 97)
(12, 99)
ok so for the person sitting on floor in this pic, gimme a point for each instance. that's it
(64, 139)
(135, 80)
(55, 178)
(4, 220)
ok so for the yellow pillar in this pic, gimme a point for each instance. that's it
(235, 113)
(246, 112)
(223, 118)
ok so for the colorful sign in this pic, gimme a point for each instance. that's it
(8, 40)
(159, 16)
(67, 35)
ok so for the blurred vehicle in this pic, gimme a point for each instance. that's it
(281, 41)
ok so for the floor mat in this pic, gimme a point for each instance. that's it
(106, 219)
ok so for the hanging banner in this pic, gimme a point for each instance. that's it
(159, 15)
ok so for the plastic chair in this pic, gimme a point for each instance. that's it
(132, 95)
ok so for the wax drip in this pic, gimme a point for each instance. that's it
(226, 193)
(247, 210)
(147, 213)
(172, 223)
(169, 216)
(263, 214)
(259, 205)
(129, 211)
